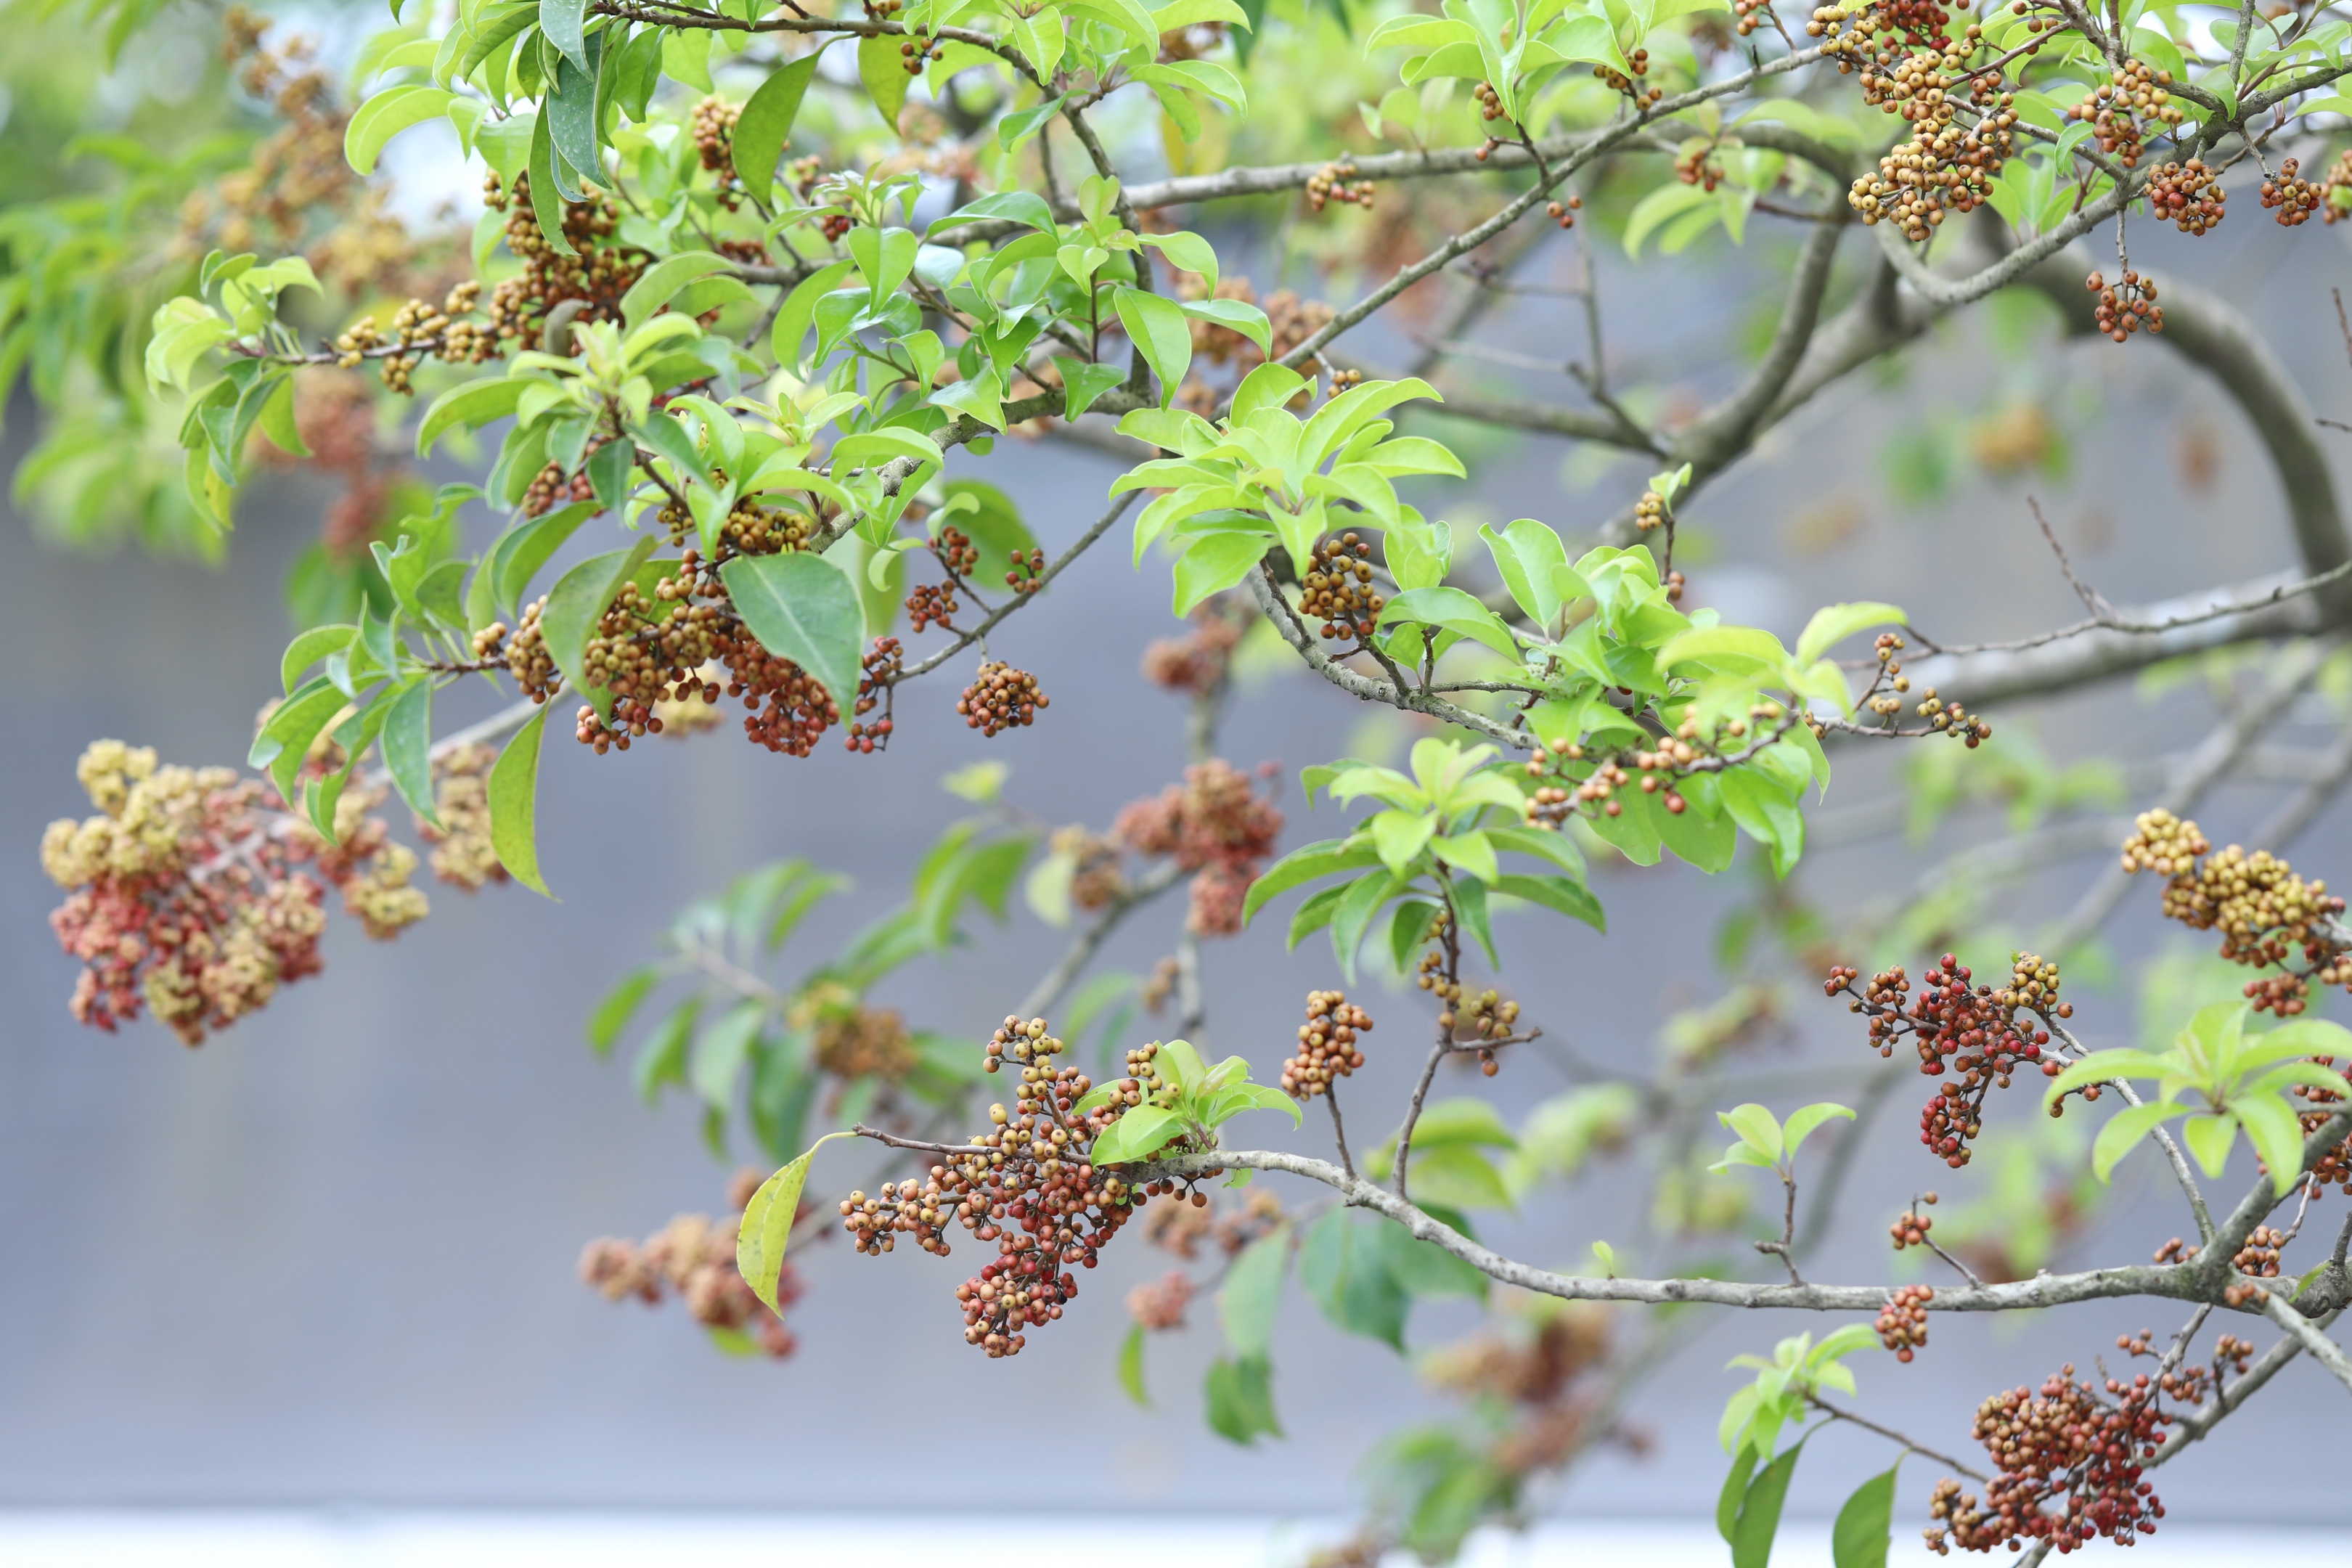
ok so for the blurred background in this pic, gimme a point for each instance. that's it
(328, 1258)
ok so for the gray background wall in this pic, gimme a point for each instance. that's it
(329, 1256)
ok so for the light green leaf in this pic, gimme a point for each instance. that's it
(2124, 1130)
(1832, 624)
(513, 800)
(1802, 1121)
(1159, 330)
(384, 116)
(767, 1225)
(1130, 1365)
(1140, 1133)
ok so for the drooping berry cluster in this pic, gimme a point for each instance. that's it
(712, 126)
(1980, 1035)
(599, 272)
(878, 687)
(694, 1258)
(187, 894)
(1339, 592)
(2267, 914)
(2127, 307)
(931, 604)
(1026, 1184)
(2068, 1463)
(1903, 1322)
(1327, 1047)
(1001, 698)
(1215, 825)
(462, 854)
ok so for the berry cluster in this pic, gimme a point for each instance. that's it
(597, 274)
(1912, 1229)
(712, 126)
(1903, 1322)
(2135, 96)
(2190, 194)
(1953, 720)
(1159, 1304)
(1980, 1035)
(1097, 879)
(1335, 182)
(1339, 592)
(186, 893)
(854, 1042)
(1752, 15)
(462, 855)
(694, 1258)
(2294, 198)
(1183, 1229)
(878, 687)
(2260, 1256)
(1196, 663)
(930, 604)
(1564, 212)
(2069, 1447)
(1025, 1184)
(1620, 82)
(1328, 1048)
(1597, 779)
(2127, 307)
(2266, 913)
(1215, 825)
(418, 330)
(2333, 1169)
(999, 698)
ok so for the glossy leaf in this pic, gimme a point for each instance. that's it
(1142, 1133)
(766, 121)
(805, 609)
(407, 743)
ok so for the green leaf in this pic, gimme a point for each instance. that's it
(1252, 1292)
(575, 605)
(1457, 1176)
(1342, 1264)
(2209, 1139)
(1758, 1127)
(767, 1225)
(1241, 1400)
(407, 743)
(2124, 1130)
(1804, 1120)
(473, 404)
(661, 282)
(1452, 610)
(1130, 1365)
(309, 647)
(384, 116)
(2277, 1136)
(1564, 895)
(1423, 1269)
(1304, 864)
(565, 22)
(1865, 1525)
(1020, 206)
(662, 1059)
(571, 113)
(882, 69)
(766, 122)
(720, 1051)
(514, 792)
(1759, 1513)
(619, 1006)
(1140, 1133)
(801, 608)
(1083, 380)
(1353, 915)
(1735, 1491)
(546, 196)
(1832, 624)
(1159, 330)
